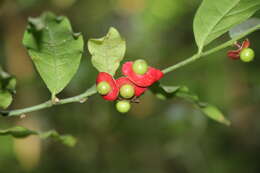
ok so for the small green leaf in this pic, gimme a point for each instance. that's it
(166, 92)
(107, 52)
(186, 94)
(7, 82)
(22, 132)
(7, 89)
(251, 24)
(54, 49)
(18, 132)
(5, 99)
(214, 113)
(67, 140)
(11, 85)
(215, 18)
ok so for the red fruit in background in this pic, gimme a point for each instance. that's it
(124, 80)
(112, 95)
(235, 54)
(145, 80)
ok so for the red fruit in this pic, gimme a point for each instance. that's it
(145, 80)
(235, 54)
(112, 95)
(124, 80)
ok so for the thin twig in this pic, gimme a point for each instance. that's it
(91, 91)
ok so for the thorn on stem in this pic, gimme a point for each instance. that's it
(55, 100)
(22, 116)
(83, 100)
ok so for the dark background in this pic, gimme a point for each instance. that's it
(156, 136)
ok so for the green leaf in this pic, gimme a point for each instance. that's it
(54, 49)
(7, 82)
(7, 88)
(67, 140)
(107, 52)
(214, 113)
(5, 99)
(18, 132)
(251, 24)
(166, 92)
(22, 132)
(214, 18)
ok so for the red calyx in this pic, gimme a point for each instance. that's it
(235, 54)
(124, 80)
(146, 80)
(112, 95)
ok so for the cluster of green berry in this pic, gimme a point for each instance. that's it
(138, 76)
(243, 52)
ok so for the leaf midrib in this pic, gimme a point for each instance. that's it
(54, 59)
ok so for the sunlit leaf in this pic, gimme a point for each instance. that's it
(214, 18)
(54, 49)
(107, 52)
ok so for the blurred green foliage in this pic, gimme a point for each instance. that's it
(156, 136)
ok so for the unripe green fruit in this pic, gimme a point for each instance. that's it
(247, 55)
(123, 106)
(127, 91)
(103, 88)
(140, 66)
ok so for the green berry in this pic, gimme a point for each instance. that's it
(247, 55)
(103, 88)
(123, 106)
(140, 67)
(127, 91)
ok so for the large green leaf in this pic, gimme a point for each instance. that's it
(55, 50)
(215, 17)
(251, 24)
(107, 52)
(7, 88)
(166, 92)
(22, 132)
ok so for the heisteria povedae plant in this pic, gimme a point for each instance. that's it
(57, 55)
